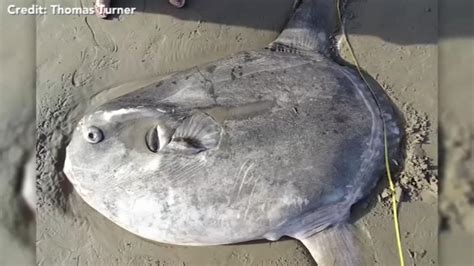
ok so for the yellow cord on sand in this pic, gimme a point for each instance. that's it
(387, 162)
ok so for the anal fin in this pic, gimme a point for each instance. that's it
(335, 246)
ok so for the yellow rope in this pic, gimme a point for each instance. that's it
(387, 161)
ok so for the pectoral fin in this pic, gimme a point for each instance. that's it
(198, 132)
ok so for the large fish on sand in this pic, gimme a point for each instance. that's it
(263, 144)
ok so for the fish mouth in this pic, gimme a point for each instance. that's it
(67, 169)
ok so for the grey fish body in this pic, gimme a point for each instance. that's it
(259, 145)
(309, 145)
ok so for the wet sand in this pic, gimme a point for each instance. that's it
(83, 61)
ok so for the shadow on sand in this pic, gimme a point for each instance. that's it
(402, 22)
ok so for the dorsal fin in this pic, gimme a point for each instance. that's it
(309, 28)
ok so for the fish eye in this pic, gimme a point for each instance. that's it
(94, 135)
